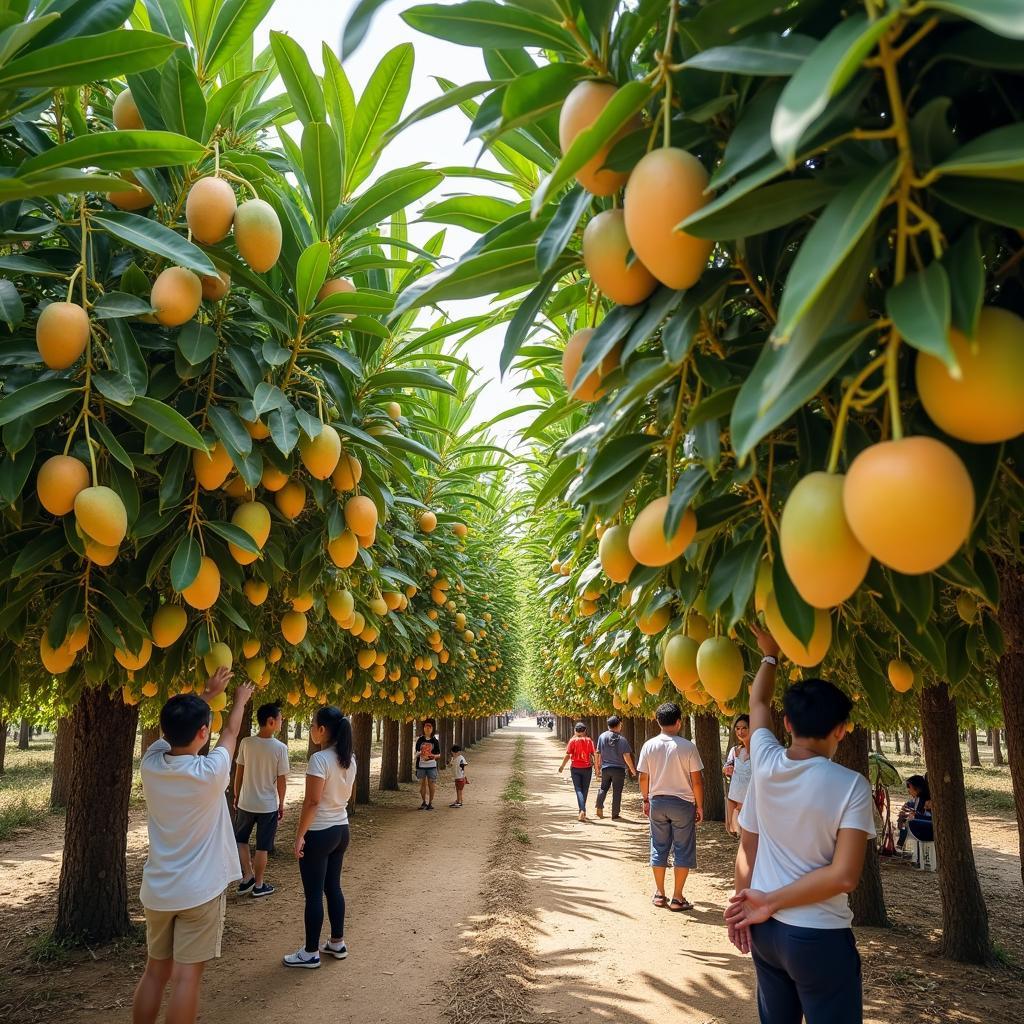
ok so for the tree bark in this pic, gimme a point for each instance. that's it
(407, 733)
(378, 727)
(311, 747)
(651, 728)
(997, 753)
(442, 738)
(150, 734)
(244, 729)
(906, 742)
(1010, 673)
(896, 737)
(867, 901)
(60, 781)
(687, 729)
(389, 754)
(362, 743)
(709, 745)
(92, 896)
(298, 728)
(972, 747)
(779, 726)
(965, 935)
(3, 744)
(24, 734)
(283, 734)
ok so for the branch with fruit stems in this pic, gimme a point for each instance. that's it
(844, 408)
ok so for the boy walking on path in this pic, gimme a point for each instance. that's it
(192, 856)
(805, 825)
(614, 756)
(672, 786)
(261, 782)
(459, 763)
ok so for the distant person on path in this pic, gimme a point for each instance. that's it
(261, 781)
(737, 771)
(805, 826)
(672, 787)
(192, 856)
(428, 750)
(322, 836)
(580, 751)
(614, 757)
(916, 816)
(459, 763)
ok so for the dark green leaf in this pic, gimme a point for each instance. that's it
(323, 172)
(525, 317)
(1000, 202)
(234, 25)
(560, 228)
(39, 552)
(234, 535)
(181, 97)
(479, 23)
(391, 192)
(762, 54)
(796, 613)
(919, 307)
(311, 273)
(12, 309)
(114, 305)
(150, 235)
(771, 206)
(112, 444)
(116, 151)
(303, 88)
(185, 563)
(966, 271)
(114, 386)
(166, 421)
(1000, 16)
(914, 593)
(357, 25)
(197, 342)
(34, 396)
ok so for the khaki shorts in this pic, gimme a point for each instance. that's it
(188, 936)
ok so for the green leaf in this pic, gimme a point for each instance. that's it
(63, 181)
(796, 613)
(12, 309)
(197, 342)
(388, 380)
(771, 206)
(221, 103)
(112, 445)
(999, 202)
(114, 386)
(304, 89)
(451, 98)
(15, 471)
(996, 154)
(563, 472)
(235, 535)
(152, 236)
(966, 269)
(39, 552)
(835, 233)
(525, 317)
(310, 274)
(919, 307)
(916, 594)
(474, 213)
(832, 64)
(621, 457)
(762, 54)
(322, 170)
(117, 151)
(357, 25)
(362, 302)
(166, 421)
(229, 428)
(562, 226)
(181, 97)
(390, 193)
(529, 96)
(235, 23)
(34, 396)
(185, 563)
(1000, 16)
(114, 305)
(483, 24)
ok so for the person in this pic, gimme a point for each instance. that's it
(459, 763)
(916, 815)
(804, 830)
(614, 757)
(322, 836)
(428, 750)
(672, 787)
(737, 771)
(581, 753)
(192, 857)
(261, 782)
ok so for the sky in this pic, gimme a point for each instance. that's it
(440, 141)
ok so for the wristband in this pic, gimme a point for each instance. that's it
(769, 659)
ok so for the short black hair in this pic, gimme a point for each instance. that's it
(920, 783)
(614, 721)
(182, 717)
(430, 722)
(580, 727)
(267, 711)
(815, 707)
(456, 749)
(668, 713)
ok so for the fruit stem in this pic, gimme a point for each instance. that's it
(71, 283)
(761, 295)
(216, 158)
(670, 453)
(593, 59)
(844, 409)
(666, 58)
(84, 415)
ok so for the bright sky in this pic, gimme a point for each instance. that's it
(439, 140)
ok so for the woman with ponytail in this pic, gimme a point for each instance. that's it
(322, 836)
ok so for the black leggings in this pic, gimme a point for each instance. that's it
(320, 869)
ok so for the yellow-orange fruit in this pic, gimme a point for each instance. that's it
(901, 675)
(340, 605)
(335, 286)
(293, 627)
(394, 411)
(588, 608)
(168, 624)
(343, 549)
(966, 607)
(302, 602)
(291, 499)
(273, 479)
(257, 430)
(378, 606)
(236, 487)
(720, 668)
(361, 515)
(654, 622)
(367, 540)
(613, 551)
(910, 503)
(460, 620)
(366, 657)
(681, 661)
(581, 109)
(255, 667)
(986, 404)
(460, 529)
(806, 655)
(128, 697)
(697, 627)
(348, 473)
(99, 554)
(589, 389)
(56, 660)
(216, 287)
(60, 480)
(78, 637)
(358, 624)
(125, 113)
(218, 656)
(176, 296)
(763, 585)
(258, 234)
(392, 600)
(212, 468)
(823, 558)
(101, 516)
(256, 591)
(666, 186)
(254, 518)
(606, 255)
(428, 522)
(647, 541)
(321, 454)
(131, 199)
(203, 591)
(274, 654)
(62, 332)
(210, 209)
(135, 660)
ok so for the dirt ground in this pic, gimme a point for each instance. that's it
(579, 934)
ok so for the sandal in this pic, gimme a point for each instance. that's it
(677, 905)
(659, 899)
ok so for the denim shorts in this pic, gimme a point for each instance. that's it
(265, 824)
(427, 773)
(673, 827)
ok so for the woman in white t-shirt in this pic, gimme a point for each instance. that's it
(322, 836)
(737, 771)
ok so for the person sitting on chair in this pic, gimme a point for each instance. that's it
(916, 816)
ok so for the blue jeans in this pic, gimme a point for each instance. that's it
(581, 783)
(806, 973)
(673, 827)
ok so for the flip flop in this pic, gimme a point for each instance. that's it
(678, 905)
(659, 899)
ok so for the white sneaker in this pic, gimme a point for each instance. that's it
(300, 958)
(339, 952)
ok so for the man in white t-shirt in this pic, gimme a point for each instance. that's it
(672, 787)
(804, 829)
(192, 855)
(261, 782)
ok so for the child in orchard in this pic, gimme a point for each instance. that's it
(192, 855)
(459, 763)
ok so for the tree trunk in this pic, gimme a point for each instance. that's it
(24, 733)
(283, 734)
(298, 728)
(965, 936)
(997, 753)
(92, 896)
(972, 747)
(687, 729)
(311, 747)
(878, 742)
(244, 729)
(896, 737)
(442, 737)
(906, 742)
(3, 744)
(60, 782)
(407, 734)
(150, 734)
(779, 726)
(1010, 673)
(651, 728)
(867, 901)
(362, 742)
(379, 726)
(389, 754)
(709, 745)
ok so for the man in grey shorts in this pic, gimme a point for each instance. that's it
(614, 756)
(672, 785)
(428, 750)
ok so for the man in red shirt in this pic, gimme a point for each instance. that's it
(580, 752)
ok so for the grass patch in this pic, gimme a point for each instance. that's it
(514, 791)
(1002, 956)
(520, 836)
(19, 814)
(45, 949)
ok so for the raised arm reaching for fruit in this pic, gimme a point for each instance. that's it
(762, 689)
